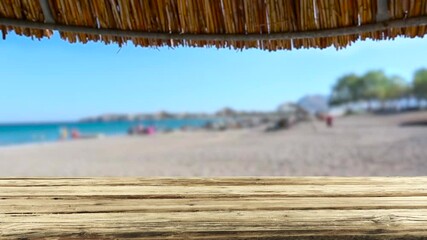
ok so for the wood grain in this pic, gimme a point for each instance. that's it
(219, 208)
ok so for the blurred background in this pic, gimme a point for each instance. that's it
(96, 110)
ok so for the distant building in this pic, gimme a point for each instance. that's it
(163, 115)
(226, 112)
(314, 104)
(292, 109)
(288, 107)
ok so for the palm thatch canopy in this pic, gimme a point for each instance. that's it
(237, 24)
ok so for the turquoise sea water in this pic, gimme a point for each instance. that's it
(11, 134)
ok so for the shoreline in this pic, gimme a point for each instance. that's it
(356, 146)
(104, 137)
(48, 132)
(52, 142)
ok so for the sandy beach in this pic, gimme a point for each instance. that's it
(355, 146)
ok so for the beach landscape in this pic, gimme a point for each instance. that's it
(357, 145)
(108, 111)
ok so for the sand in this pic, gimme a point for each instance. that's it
(355, 146)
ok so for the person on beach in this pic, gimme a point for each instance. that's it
(140, 129)
(329, 121)
(75, 134)
(151, 130)
(63, 133)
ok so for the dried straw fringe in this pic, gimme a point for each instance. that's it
(215, 17)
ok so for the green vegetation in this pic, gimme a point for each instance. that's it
(420, 84)
(375, 86)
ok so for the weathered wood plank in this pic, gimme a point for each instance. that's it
(211, 192)
(223, 208)
(233, 181)
(72, 205)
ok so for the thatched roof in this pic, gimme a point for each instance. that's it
(238, 24)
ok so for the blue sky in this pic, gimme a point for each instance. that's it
(52, 80)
